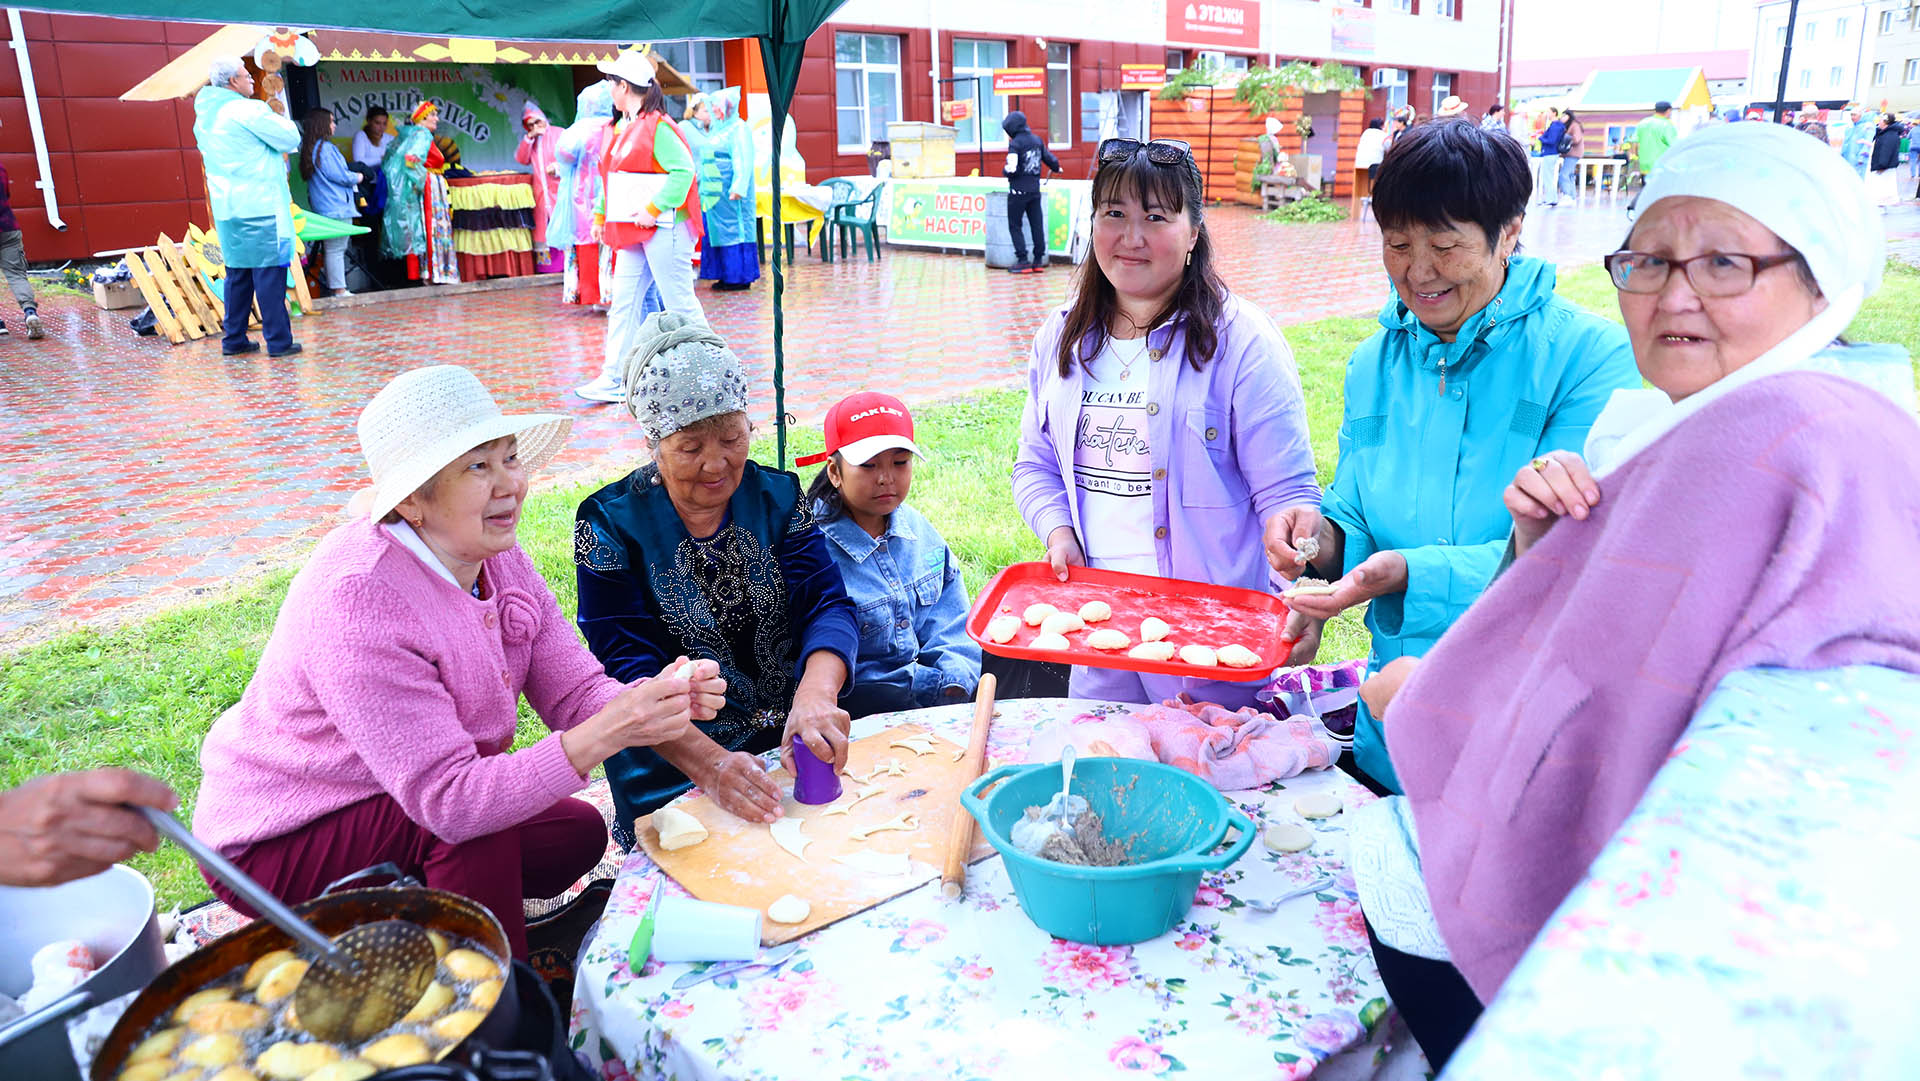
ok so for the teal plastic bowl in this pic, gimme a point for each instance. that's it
(1171, 820)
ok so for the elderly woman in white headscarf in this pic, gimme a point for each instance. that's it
(1756, 509)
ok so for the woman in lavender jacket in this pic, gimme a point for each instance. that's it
(1164, 427)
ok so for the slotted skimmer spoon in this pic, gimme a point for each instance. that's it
(359, 983)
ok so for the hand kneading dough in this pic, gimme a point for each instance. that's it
(1062, 623)
(399, 1049)
(789, 909)
(1199, 656)
(1288, 837)
(1108, 638)
(1238, 656)
(1096, 612)
(1035, 613)
(1317, 805)
(1003, 628)
(677, 828)
(1050, 641)
(1152, 651)
(1153, 629)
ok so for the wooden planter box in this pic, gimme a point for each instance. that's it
(1223, 160)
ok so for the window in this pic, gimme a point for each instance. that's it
(1059, 95)
(1176, 61)
(1833, 76)
(1222, 61)
(979, 58)
(1806, 79)
(866, 87)
(704, 63)
(1806, 31)
(1780, 35)
(1886, 22)
(1442, 87)
(1405, 7)
(1840, 28)
(1912, 72)
(1773, 81)
(1447, 9)
(1394, 82)
(1880, 74)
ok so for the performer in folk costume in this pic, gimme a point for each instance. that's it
(418, 222)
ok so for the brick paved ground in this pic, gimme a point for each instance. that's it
(135, 474)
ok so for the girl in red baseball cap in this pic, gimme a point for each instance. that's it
(905, 583)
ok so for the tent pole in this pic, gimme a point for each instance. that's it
(779, 279)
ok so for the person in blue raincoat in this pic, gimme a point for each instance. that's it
(1478, 368)
(244, 144)
(730, 252)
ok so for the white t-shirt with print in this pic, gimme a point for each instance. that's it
(1112, 463)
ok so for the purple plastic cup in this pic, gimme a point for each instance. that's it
(814, 781)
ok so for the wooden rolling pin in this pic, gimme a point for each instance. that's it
(953, 881)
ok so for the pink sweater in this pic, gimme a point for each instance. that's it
(383, 677)
(1775, 527)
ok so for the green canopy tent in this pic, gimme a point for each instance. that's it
(782, 26)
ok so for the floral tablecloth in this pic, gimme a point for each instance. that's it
(920, 988)
(1753, 918)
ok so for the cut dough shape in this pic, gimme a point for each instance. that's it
(1238, 656)
(892, 767)
(1288, 837)
(904, 822)
(789, 909)
(877, 863)
(1050, 641)
(1152, 651)
(865, 792)
(1153, 629)
(919, 745)
(1096, 612)
(1108, 638)
(1002, 629)
(677, 828)
(1062, 623)
(1036, 613)
(1317, 805)
(787, 834)
(1199, 656)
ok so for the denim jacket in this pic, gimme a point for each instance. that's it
(910, 603)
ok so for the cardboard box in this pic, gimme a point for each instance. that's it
(118, 295)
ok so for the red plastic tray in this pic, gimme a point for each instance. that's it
(1199, 613)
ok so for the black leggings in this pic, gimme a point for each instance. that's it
(1434, 999)
(1021, 205)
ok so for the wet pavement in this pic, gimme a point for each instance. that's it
(135, 475)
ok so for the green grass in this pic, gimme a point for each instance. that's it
(144, 695)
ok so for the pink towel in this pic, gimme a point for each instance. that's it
(1235, 750)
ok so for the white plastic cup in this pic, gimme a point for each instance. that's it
(689, 930)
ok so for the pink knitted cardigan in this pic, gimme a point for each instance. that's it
(1775, 527)
(383, 677)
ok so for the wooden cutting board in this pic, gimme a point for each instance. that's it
(741, 864)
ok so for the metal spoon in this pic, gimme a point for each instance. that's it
(1267, 908)
(359, 983)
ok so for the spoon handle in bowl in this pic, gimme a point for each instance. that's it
(241, 883)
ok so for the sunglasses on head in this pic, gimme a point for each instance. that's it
(1159, 151)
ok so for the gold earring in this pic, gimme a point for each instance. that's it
(1189, 256)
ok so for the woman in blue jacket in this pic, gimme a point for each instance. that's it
(330, 186)
(1478, 368)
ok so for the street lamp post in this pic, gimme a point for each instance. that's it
(1786, 61)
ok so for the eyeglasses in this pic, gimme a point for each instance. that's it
(1159, 151)
(1712, 274)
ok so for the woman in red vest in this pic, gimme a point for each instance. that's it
(649, 214)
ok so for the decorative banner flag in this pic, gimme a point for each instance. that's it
(480, 104)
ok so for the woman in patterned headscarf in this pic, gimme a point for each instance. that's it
(703, 553)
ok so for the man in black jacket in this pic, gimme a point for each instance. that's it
(1025, 154)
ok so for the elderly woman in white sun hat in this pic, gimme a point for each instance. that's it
(378, 723)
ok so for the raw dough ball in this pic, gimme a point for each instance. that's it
(1036, 613)
(677, 828)
(289, 1061)
(1002, 629)
(454, 1027)
(1288, 837)
(789, 909)
(1199, 656)
(227, 1017)
(399, 1049)
(1238, 656)
(1096, 612)
(1153, 629)
(437, 997)
(1108, 638)
(486, 993)
(281, 981)
(267, 963)
(1152, 651)
(352, 1069)
(1062, 623)
(1317, 805)
(197, 1001)
(1050, 641)
(470, 965)
(159, 1045)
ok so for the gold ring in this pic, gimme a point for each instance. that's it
(1540, 464)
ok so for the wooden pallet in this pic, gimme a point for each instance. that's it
(183, 284)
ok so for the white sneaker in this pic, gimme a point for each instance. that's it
(603, 390)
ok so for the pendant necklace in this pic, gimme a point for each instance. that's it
(1126, 366)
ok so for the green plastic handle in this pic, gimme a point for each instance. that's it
(1220, 861)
